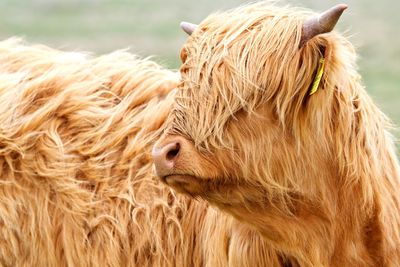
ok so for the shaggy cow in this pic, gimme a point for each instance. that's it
(272, 125)
(309, 180)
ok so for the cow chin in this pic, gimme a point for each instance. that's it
(186, 184)
(226, 195)
(199, 187)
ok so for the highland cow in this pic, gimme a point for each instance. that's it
(292, 179)
(272, 125)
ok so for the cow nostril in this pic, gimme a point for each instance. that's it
(173, 152)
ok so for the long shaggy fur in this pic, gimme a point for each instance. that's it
(76, 181)
(316, 175)
(302, 181)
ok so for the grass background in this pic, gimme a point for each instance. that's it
(151, 27)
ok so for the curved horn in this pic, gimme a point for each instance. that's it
(188, 27)
(322, 23)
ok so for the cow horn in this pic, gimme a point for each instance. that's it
(322, 23)
(188, 27)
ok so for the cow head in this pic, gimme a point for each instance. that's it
(244, 132)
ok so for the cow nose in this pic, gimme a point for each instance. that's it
(164, 157)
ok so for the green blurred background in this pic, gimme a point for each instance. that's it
(151, 27)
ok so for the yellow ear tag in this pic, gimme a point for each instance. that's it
(318, 77)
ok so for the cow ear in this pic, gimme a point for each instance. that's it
(323, 23)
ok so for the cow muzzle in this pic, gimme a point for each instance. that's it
(178, 164)
(166, 155)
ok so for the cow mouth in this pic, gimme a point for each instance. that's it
(227, 195)
(199, 186)
(185, 183)
(218, 191)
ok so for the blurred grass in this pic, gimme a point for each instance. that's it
(151, 27)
